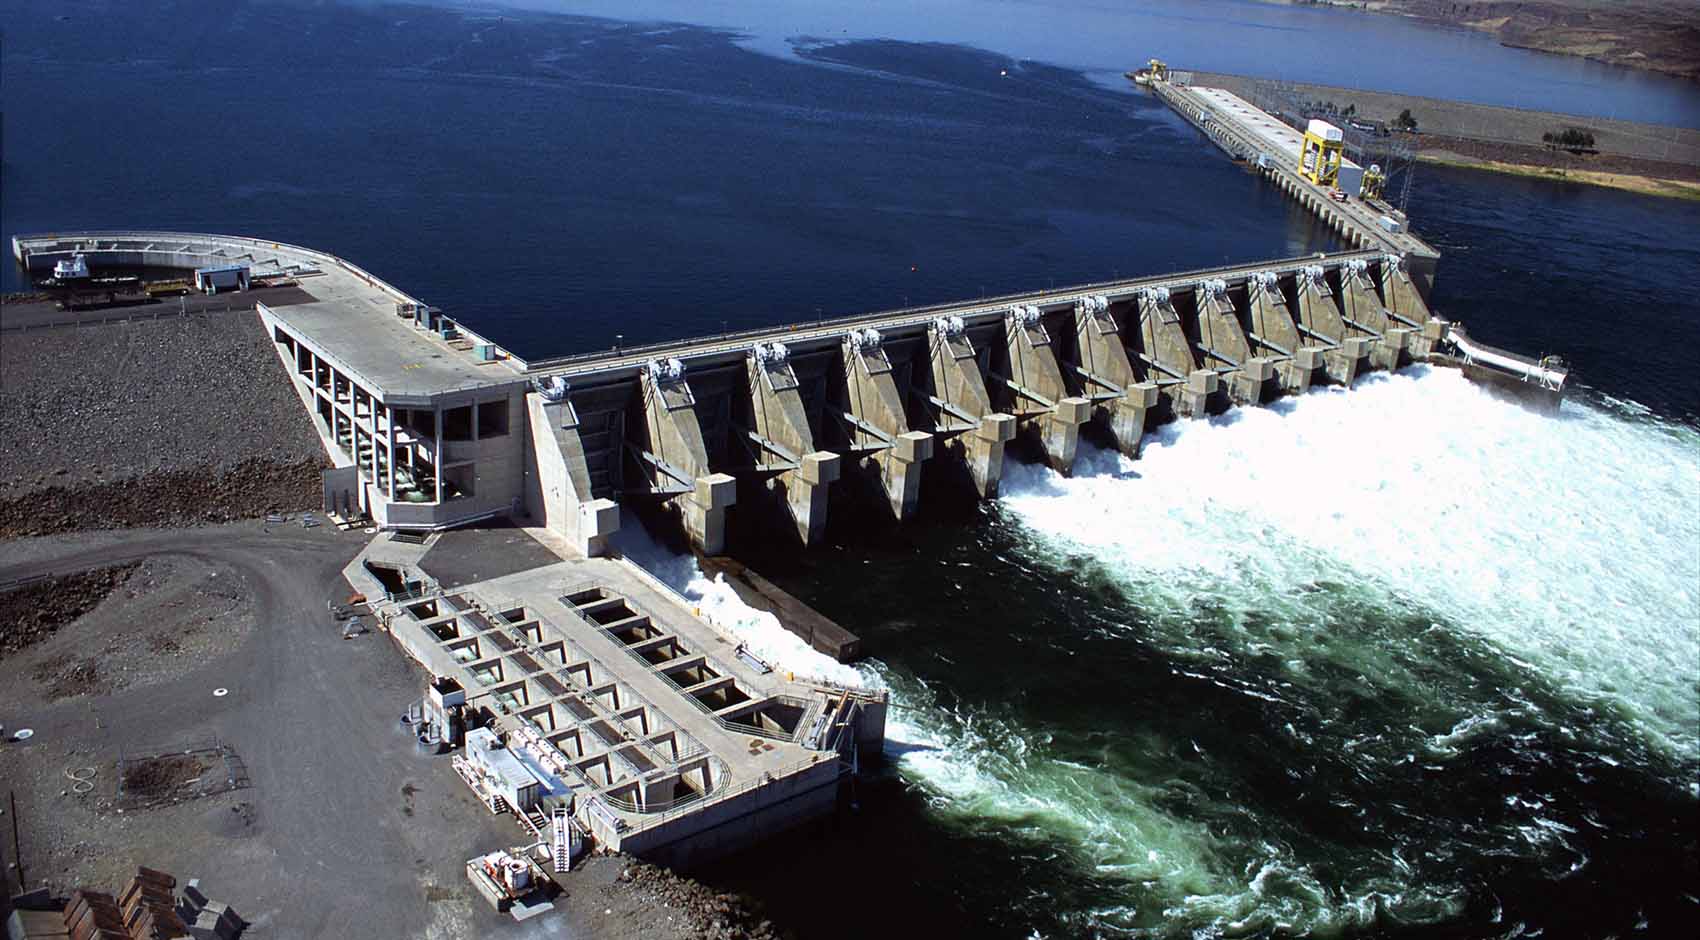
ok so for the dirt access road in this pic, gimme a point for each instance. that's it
(345, 830)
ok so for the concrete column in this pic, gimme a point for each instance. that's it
(372, 430)
(679, 457)
(1120, 401)
(1320, 323)
(786, 441)
(560, 491)
(1222, 342)
(1362, 312)
(389, 453)
(879, 429)
(976, 434)
(437, 452)
(1039, 399)
(1166, 353)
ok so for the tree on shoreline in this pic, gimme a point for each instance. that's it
(1573, 139)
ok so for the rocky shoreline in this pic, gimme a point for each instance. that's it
(707, 914)
(1655, 35)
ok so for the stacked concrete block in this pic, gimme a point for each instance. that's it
(207, 919)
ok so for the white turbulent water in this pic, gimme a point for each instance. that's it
(759, 631)
(1570, 545)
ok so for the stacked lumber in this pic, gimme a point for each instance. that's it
(37, 925)
(150, 912)
(93, 915)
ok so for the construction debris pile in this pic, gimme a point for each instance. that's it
(147, 910)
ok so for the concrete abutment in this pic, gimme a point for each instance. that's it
(1121, 403)
(1035, 393)
(793, 472)
(967, 430)
(882, 449)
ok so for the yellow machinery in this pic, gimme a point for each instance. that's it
(1321, 153)
(1155, 71)
(1374, 182)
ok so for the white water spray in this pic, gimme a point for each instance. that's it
(1572, 544)
(760, 631)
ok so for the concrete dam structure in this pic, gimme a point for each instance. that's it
(432, 426)
(592, 700)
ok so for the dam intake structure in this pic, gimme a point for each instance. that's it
(431, 425)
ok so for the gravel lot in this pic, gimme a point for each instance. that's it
(344, 828)
(163, 422)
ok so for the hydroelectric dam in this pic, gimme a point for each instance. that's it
(639, 722)
(430, 425)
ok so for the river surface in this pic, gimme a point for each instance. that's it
(1409, 661)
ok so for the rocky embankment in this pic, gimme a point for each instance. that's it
(32, 612)
(708, 914)
(1659, 35)
(149, 423)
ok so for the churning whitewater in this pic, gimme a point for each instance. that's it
(1409, 582)
(1497, 579)
(1567, 543)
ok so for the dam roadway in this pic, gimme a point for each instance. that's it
(431, 425)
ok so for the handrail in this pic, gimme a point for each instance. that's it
(985, 308)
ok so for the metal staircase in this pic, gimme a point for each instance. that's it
(561, 847)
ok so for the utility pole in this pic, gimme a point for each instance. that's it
(17, 851)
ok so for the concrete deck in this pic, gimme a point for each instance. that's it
(654, 724)
(350, 316)
(1237, 125)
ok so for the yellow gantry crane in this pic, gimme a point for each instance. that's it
(1321, 152)
(1375, 181)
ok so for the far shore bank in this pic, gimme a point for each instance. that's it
(1651, 35)
(1646, 185)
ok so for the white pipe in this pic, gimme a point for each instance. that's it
(1547, 378)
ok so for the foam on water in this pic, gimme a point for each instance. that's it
(1565, 548)
(985, 772)
(1570, 544)
(1561, 549)
(759, 630)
